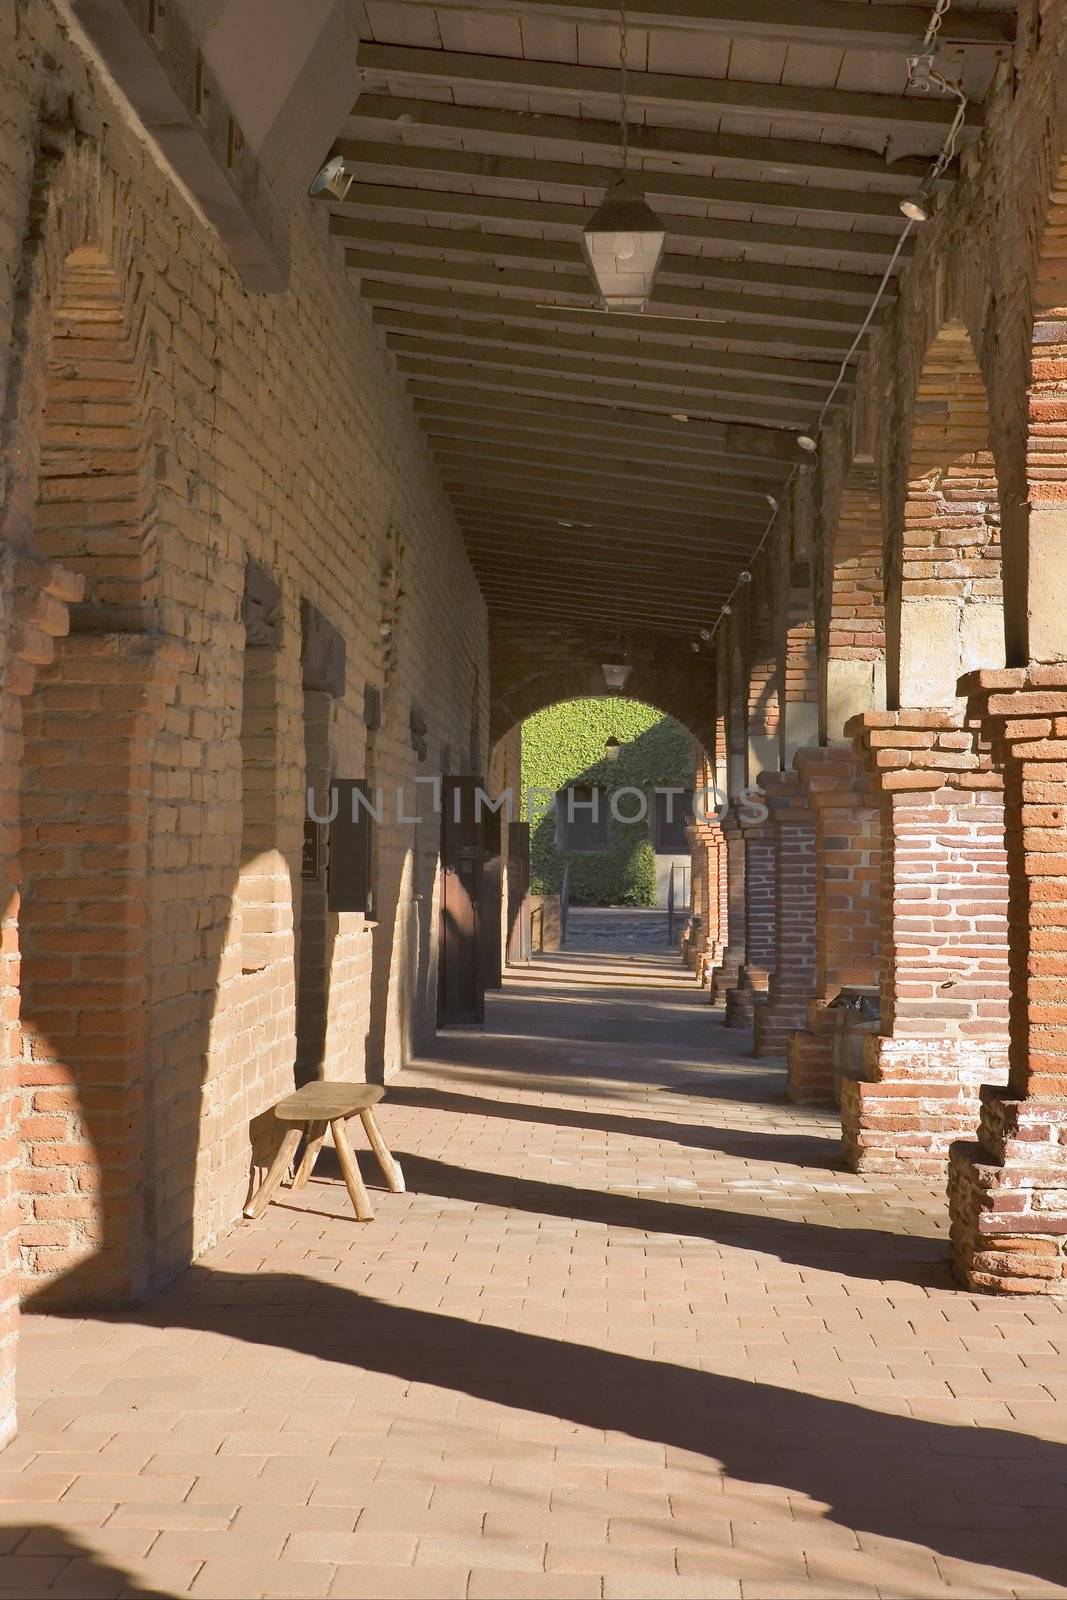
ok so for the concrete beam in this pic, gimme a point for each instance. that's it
(151, 52)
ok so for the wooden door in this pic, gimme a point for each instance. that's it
(460, 974)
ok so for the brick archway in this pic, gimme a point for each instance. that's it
(533, 667)
(944, 603)
(850, 604)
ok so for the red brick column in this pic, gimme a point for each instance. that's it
(704, 949)
(86, 793)
(944, 975)
(754, 975)
(847, 905)
(1008, 1190)
(793, 978)
(732, 907)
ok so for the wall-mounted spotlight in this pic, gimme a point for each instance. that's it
(705, 634)
(919, 207)
(744, 577)
(806, 442)
(771, 501)
(727, 611)
(332, 179)
(695, 648)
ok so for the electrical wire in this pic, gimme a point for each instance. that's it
(945, 155)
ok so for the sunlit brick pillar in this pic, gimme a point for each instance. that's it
(705, 838)
(847, 904)
(732, 907)
(944, 977)
(1008, 1190)
(793, 978)
(754, 974)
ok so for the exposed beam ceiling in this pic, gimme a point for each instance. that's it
(510, 129)
(875, 27)
(820, 108)
(595, 459)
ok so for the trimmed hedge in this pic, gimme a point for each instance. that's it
(565, 744)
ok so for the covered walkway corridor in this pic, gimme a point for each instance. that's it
(634, 1330)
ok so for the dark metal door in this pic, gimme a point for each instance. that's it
(492, 900)
(519, 940)
(460, 975)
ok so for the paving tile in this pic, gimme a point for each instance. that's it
(632, 1334)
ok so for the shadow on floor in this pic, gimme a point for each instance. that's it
(792, 1149)
(865, 1253)
(932, 1483)
(38, 1559)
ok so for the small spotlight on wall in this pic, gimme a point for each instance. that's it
(919, 207)
(744, 577)
(771, 501)
(806, 442)
(727, 611)
(705, 634)
(332, 179)
(695, 648)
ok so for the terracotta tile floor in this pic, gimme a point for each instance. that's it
(632, 1332)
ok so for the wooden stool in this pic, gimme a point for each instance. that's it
(312, 1109)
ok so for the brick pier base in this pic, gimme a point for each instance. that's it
(944, 976)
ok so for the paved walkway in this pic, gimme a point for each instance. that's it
(632, 1333)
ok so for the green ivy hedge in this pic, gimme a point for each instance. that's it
(565, 744)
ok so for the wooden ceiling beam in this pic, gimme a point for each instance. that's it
(845, 109)
(595, 569)
(828, 22)
(587, 177)
(466, 475)
(687, 614)
(758, 308)
(735, 442)
(597, 345)
(602, 548)
(375, 197)
(780, 412)
(572, 455)
(670, 630)
(858, 286)
(597, 470)
(786, 157)
(577, 511)
(774, 339)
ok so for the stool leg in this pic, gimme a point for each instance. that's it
(316, 1133)
(386, 1160)
(279, 1167)
(350, 1167)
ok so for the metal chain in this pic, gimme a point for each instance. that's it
(624, 131)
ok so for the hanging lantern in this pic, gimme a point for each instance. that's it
(623, 242)
(611, 748)
(616, 673)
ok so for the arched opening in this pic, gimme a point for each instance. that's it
(601, 817)
(945, 614)
(850, 606)
(86, 788)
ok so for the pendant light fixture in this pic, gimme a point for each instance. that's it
(623, 239)
(617, 670)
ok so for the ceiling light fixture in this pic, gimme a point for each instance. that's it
(332, 179)
(623, 239)
(919, 207)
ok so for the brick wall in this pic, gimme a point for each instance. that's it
(160, 427)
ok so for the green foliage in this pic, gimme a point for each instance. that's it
(565, 744)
